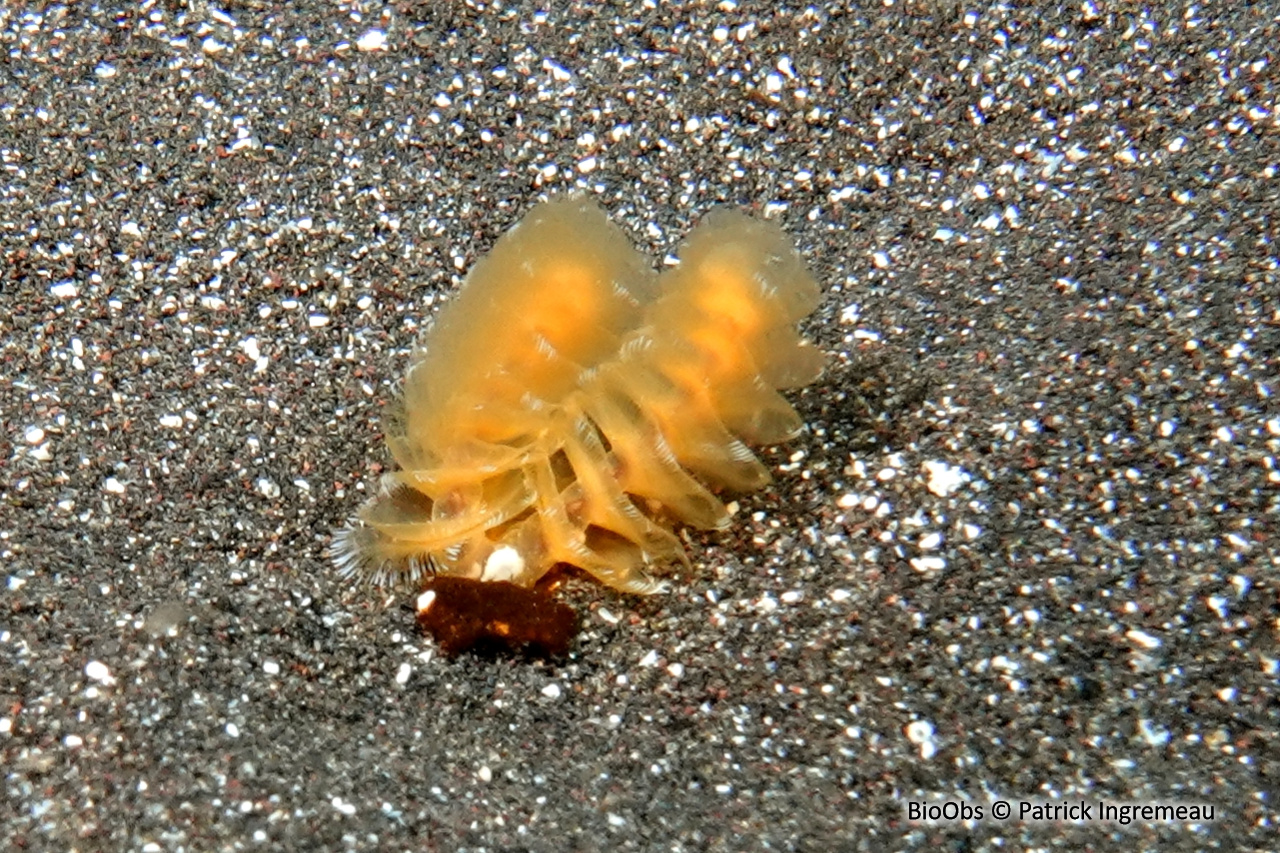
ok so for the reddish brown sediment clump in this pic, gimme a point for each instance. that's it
(464, 615)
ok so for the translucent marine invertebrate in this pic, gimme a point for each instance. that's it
(569, 403)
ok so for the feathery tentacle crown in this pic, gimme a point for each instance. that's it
(570, 403)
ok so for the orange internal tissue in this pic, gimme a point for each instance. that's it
(570, 405)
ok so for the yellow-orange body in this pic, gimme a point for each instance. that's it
(569, 402)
